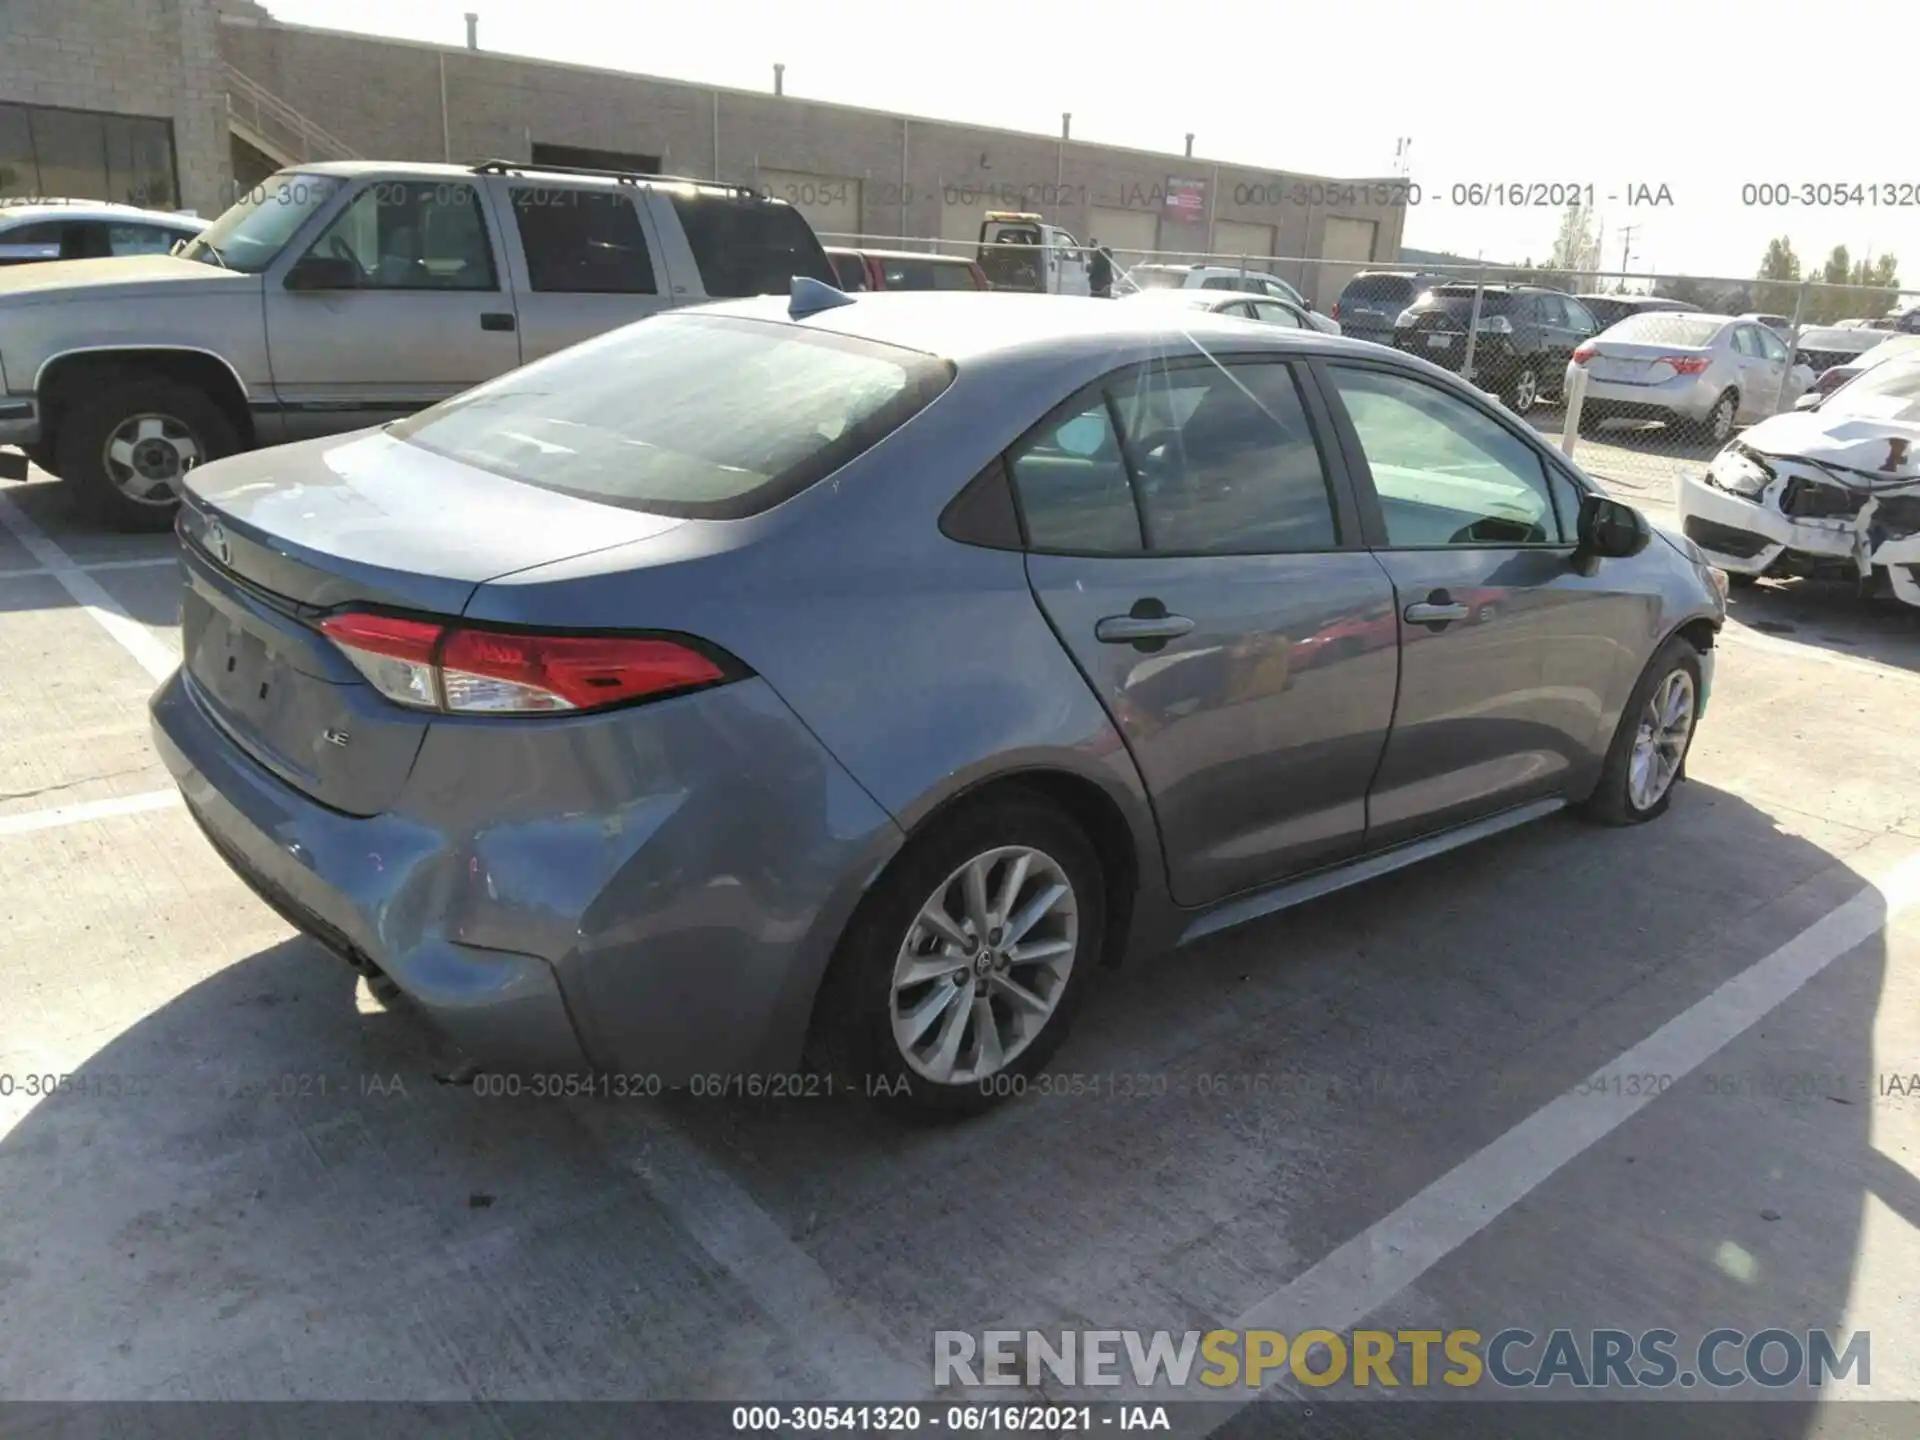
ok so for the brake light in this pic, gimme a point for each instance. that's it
(1335, 312)
(467, 670)
(1684, 364)
(1585, 353)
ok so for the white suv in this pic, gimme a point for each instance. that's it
(1222, 277)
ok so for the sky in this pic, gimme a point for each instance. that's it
(1693, 99)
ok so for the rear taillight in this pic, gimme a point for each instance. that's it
(466, 670)
(1335, 312)
(1585, 353)
(1684, 364)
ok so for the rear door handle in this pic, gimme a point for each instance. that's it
(1132, 629)
(496, 320)
(1428, 612)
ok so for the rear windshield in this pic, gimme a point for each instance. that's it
(1668, 327)
(1150, 279)
(1396, 289)
(927, 274)
(1460, 297)
(749, 247)
(709, 417)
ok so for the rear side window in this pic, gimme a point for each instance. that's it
(702, 416)
(583, 241)
(748, 247)
(851, 270)
(1073, 485)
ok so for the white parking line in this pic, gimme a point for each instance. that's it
(156, 657)
(22, 822)
(1371, 1269)
(152, 562)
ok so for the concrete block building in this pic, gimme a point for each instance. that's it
(215, 94)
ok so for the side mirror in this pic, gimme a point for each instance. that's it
(323, 272)
(1808, 401)
(1610, 530)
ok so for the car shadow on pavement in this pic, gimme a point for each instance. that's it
(261, 1189)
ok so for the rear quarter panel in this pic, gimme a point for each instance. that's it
(923, 665)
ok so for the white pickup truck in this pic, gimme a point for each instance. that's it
(1020, 251)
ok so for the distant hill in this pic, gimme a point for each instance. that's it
(1410, 256)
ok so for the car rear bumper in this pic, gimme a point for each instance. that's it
(1747, 538)
(653, 892)
(1685, 397)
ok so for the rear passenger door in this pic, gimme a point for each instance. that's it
(1194, 544)
(583, 262)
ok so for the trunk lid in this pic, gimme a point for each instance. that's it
(1624, 362)
(277, 539)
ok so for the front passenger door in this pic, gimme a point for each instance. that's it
(400, 302)
(1508, 655)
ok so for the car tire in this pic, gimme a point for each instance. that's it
(1521, 390)
(167, 429)
(1717, 428)
(870, 998)
(1622, 796)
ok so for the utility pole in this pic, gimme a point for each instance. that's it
(1626, 240)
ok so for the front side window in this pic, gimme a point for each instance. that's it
(1274, 313)
(139, 240)
(410, 235)
(701, 416)
(748, 247)
(582, 241)
(252, 231)
(1445, 473)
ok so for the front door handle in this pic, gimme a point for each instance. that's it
(496, 320)
(1133, 629)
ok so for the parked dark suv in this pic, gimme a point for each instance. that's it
(1367, 306)
(1526, 338)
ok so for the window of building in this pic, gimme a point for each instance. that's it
(46, 151)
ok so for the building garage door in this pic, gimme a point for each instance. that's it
(831, 203)
(1348, 242)
(1132, 235)
(1238, 237)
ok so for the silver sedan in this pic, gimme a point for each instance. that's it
(1703, 373)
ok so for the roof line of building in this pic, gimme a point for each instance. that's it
(1194, 162)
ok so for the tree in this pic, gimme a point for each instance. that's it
(1574, 247)
(1781, 267)
(1864, 289)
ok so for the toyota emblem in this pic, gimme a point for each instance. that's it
(216, 544)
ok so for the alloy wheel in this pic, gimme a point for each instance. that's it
(984, 964)
(1660, 743)
(1526, 390)
(1720, 423)
(147, 456)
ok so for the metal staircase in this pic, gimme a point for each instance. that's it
(274, 128)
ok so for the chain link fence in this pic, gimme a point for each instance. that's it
(1640, 377)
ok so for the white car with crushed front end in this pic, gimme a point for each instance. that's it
(1833, 490)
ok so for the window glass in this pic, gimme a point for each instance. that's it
(1578, 316)
(1446, 474)
(851, 270)
(1770, 345)
(1274, 313)
(38, 232)
(1072, 482)
(582, 241)
(412, 235)
(1237, 472)
(693, 415)
(251, 232)
(1668, 327)
(748, 247)
(71, 148)
(1747, 341)
(1220, 282)
(139, 240)
(140, 162)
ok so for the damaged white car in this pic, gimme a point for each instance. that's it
(1830, 491)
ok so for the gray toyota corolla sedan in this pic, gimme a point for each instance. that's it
(852, 679)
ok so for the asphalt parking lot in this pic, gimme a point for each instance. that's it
(265, 1185)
